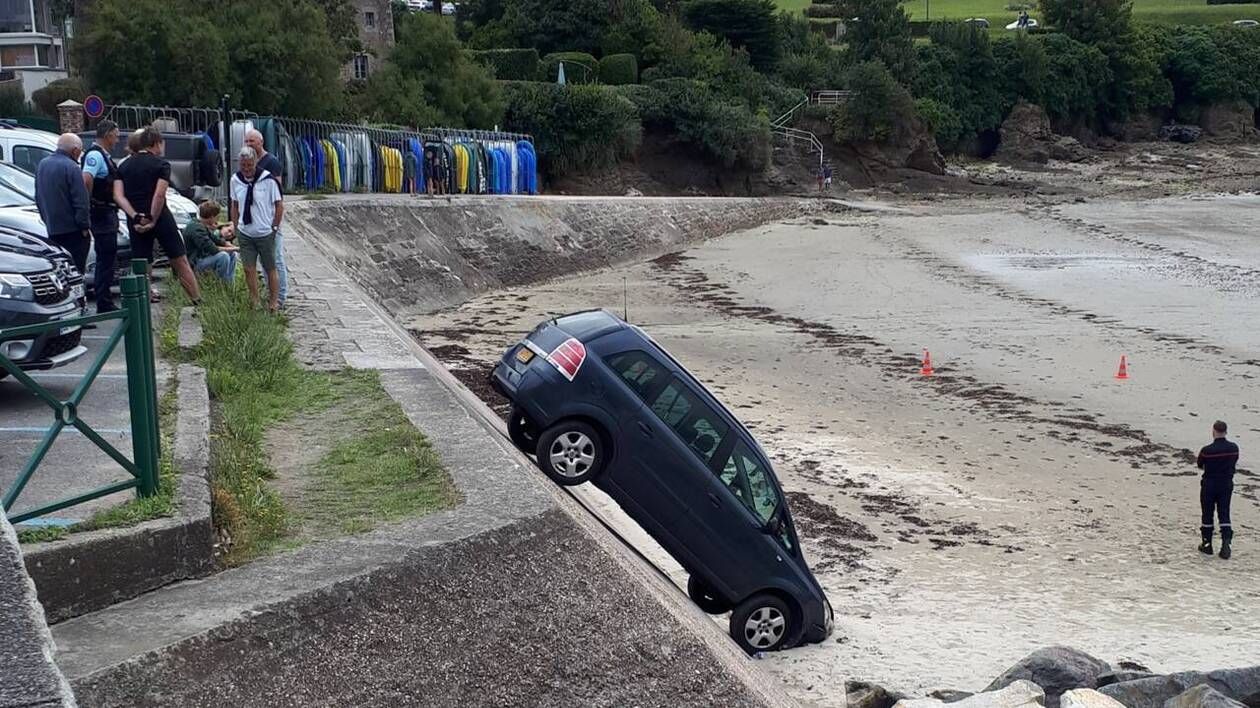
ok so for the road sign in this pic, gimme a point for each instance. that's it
(93, 106)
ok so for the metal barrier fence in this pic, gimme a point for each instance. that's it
(136, 330)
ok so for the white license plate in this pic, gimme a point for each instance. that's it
(77, 291)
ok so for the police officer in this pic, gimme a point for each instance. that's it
(1217, 462)
(99, 174)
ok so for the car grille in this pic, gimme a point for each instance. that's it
(62, 344)
(53, 287)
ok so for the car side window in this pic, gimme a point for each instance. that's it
(28, 158)
(699, 426)
(638, 370)
(749, 481)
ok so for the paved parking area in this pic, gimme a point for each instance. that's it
(74, 464)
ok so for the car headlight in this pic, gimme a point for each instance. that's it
(16, 287)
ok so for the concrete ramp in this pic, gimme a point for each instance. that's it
(516, 598)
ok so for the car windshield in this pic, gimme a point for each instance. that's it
(17, 186)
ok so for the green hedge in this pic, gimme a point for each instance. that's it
(509, 64)
(822, 10)
(575, 128)
(579, 67)
(619, 69)
(57, 92)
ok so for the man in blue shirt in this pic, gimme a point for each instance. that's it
(63, 200)
(99, 175)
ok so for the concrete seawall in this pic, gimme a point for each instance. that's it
(419, 255)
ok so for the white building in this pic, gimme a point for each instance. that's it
(31, 48)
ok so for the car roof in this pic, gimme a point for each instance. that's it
(41, 137)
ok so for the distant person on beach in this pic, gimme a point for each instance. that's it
(1217, 462)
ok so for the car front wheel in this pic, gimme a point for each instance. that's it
(571, 452)
(761, 623)
(705, 597)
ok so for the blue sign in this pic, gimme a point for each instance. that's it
(93, 106)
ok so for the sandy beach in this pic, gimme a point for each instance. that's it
(1021, 496)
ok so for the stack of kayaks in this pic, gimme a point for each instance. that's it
(339, 158)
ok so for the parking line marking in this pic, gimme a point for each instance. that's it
(102, 431)
(54, 375)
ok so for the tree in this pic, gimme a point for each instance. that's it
(548, 26)
(633, 24)
(282, 57)
(429, 80)
(881, 32)
(746, 24)
(342, 18)
(878, 107)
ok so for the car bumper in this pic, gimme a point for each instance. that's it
(47, 350)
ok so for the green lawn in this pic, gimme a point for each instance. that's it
(1156, 11)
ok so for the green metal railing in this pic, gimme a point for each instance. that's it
(135, 329)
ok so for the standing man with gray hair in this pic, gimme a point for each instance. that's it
(63, 200)
(99, 175)
(271, 164)
(257, 211)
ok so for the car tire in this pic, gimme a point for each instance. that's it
(761, 623)
(571, 453)
(210, 169)
(522, 432)
(705, 597)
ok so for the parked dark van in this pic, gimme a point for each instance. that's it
(595, 399)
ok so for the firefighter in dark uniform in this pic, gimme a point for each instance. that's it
(1217, 462)
(99, 174)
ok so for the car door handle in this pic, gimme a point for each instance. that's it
(643, 428)
(713, 499)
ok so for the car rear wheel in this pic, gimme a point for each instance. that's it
(522, 432)
(761, 623)
(705, 597)
(571, 452)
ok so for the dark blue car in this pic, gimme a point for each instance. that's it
(595, 399)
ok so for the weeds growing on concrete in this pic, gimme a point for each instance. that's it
(380, 468)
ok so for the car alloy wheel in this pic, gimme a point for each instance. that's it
(572, 454)
(764, 628)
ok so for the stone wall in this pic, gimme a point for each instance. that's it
(420, 255)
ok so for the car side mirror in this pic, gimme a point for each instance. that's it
(774, 526)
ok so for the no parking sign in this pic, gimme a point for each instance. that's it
(93, 106)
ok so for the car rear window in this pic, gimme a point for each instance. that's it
(638, 370)
(588, 325)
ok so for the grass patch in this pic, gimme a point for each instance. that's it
(1163, 12)
(42, 534)
(382, 469)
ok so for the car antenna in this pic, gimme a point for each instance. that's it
(625, 300)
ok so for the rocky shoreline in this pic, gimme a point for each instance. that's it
(1063, 677)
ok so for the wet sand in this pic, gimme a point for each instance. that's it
(1020, 497)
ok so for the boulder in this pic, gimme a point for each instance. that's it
(911, 145)
(1055, 669)
(1231, 119)
(860, 694)
(949, 695)
(1180, 133)
(1067, 149)
(1202, 696)
(1121, 675)
(1242, 685)
(1087, 698)
(1025, 135)
(1138, 128)
(1019, 694)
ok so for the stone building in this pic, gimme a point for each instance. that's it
(376, 33)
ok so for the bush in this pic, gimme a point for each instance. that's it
(579, 67)
(509, 64)
(13, 100)
(1077, 79)
(575, 128)
(879, 105)
(48, 98)
(618, 69)
(829, 11)
(942, 120)
(703, 119)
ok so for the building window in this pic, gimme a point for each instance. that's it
(361, 66)
(369, 20)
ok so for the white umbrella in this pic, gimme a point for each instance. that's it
(560, 77)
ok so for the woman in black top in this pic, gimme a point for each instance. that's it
(141, 193)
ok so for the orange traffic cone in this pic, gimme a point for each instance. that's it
(927, 364)
(1123, 373)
